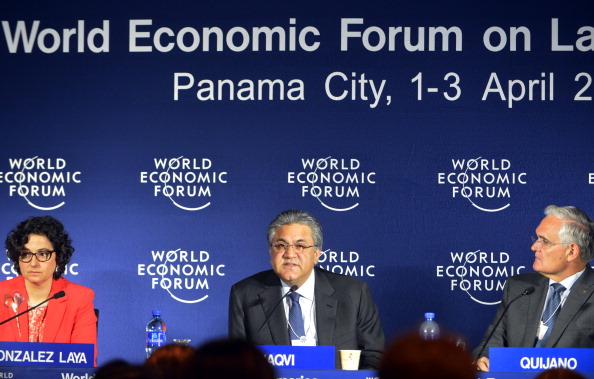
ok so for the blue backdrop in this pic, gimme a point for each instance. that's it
(426, 136)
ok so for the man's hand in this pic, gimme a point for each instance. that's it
(482, 364)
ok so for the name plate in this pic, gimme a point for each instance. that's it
(300, 357)
(519, 359)
(46, 354)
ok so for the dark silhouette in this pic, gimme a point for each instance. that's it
(559, 373)
(412, 357)
(170, 361)
(230, 358)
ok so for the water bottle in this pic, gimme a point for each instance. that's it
(429, 329)
(155, 333)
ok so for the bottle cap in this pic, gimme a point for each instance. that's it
(156, 312)
(430, 315)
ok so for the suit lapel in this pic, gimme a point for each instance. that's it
(580, 293)
(277, 323)
(534, 310)
(326, 308)
(20, 326)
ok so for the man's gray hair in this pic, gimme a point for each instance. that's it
(577, 228)
(295, 216)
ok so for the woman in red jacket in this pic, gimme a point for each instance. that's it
(40, 249)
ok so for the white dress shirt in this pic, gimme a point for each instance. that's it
(307, 303)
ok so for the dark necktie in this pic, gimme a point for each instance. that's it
(296, 328)
(551, 311)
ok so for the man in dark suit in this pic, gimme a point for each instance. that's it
(563, 246)
(337, 310)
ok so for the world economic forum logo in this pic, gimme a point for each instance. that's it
(186, 275)
(346, 263)
(484, 183)
(7, 270)
(41, 182)
(479, 274)
(336, 183)
(187, 182)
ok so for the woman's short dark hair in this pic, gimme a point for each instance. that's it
(46, 226)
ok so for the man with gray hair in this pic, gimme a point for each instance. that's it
(560, 312)
(318, 307)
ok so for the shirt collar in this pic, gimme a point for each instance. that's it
(569, 281)
(306, 290)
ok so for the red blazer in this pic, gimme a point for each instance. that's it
(69, 319)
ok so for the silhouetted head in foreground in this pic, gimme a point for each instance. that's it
(412, 357)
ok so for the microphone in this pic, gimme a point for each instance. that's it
(57, 295)
(526, 292)
(293, 288)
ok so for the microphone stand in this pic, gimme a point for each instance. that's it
(527, 291)
(57, 295)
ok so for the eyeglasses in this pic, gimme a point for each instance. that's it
(43, 255)
(284, 247)
(544, 242)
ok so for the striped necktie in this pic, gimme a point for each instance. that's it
(296, 328)
(551, 312)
